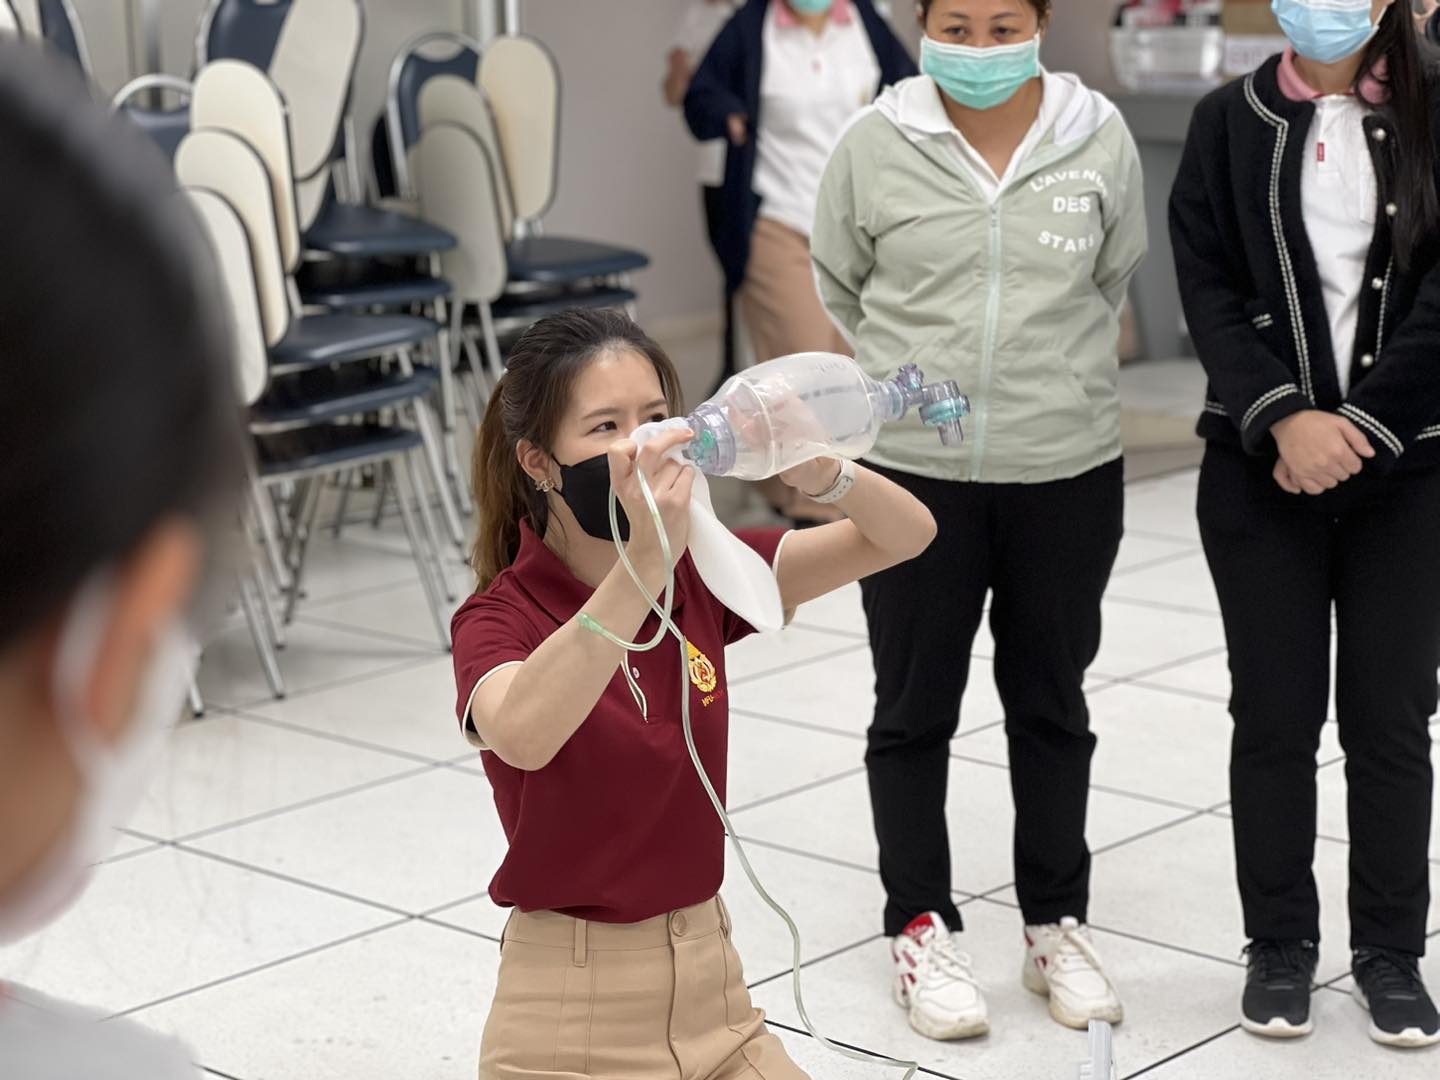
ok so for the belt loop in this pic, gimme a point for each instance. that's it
(582, 948)
(724, 917)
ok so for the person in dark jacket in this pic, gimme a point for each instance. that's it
(1307, 239)
(780, 84)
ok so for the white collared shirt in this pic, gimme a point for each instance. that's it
(810, 88)
(1338, 197)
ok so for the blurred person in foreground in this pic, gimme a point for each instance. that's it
(119, 444)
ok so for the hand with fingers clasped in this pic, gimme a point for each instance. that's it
(1319, 451)
(671, 483)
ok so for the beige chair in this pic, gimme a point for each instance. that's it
(522, 82)
(309, 428)
(9, 21)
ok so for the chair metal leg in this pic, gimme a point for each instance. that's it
(304, 528)
(382, 495)
(347, 484)
(447, 352)
(492, 344)
(416, 477)
(197, 703)
(267, 608)
(417, 549)
(264, 646)
(433, 455)
(269, 534)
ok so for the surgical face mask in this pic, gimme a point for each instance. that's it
(980, 78)
(1326, 31)
(113, 775)
(585, 487)
(812, 7)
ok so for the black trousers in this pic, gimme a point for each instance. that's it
(1370, 550)
(1046, 552)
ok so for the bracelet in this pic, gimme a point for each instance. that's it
(841, 487)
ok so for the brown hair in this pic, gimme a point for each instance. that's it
(1042, 8)
(528, 404)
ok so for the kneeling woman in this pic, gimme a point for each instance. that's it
(617, 962)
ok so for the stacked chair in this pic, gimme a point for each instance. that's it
(353, 315)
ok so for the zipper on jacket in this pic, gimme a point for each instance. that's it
(987, 359)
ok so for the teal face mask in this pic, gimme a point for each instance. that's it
(980, 78)
(811, 7)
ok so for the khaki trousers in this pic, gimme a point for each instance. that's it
(664, 999)
(782, 307)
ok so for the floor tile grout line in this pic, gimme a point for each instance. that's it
(816, 628)
(1159, 605)
(814, 960)
(1130, 935)
(334, 684)
(305, 804)
(1158, 669)
(470, 931)
(1181, 1053)
(1180, 691)
(797, 665)
(1188, 551)
(238, 975)
(1104, 789)
(878, 1056)
(217, 1072)
(290, 879)
(813, 785)
(335, 737)
(322, 623)
(820, 729)
(813, 856)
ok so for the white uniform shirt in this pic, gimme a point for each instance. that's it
(811, 87)
(699, 27)
(1338, 196)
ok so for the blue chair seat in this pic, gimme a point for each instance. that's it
(324, 394)
(559, 260)
(317, 340)
(362, 296)
(329, 447)
(367, 231)
(542, 302)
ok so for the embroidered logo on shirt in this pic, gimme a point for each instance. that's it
(702, 671)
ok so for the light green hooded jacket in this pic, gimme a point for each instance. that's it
(1017, 300)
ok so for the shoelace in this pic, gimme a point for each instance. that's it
(1277, 959)
(943, 956)
(1389, 972)
(1076, 950)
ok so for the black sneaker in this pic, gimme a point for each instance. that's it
(1388, 984)
(1277, 988)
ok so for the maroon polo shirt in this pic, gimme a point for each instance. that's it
(617, 828)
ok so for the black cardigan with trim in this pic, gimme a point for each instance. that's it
(1252, 294)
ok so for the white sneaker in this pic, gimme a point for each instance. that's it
(935, 982)
(1062, 964)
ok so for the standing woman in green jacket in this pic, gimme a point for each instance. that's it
(984, 219)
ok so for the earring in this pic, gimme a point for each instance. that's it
(544, 487)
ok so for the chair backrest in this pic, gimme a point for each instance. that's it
(222, 162)
(456, 181)
(60, 27)
(241, 30)
(166, 127)
(309, 48)
(448, 99)
(230, 242)
(27, 17)
(413, 67)
(522, 82)
(233, 96)
(9, 21)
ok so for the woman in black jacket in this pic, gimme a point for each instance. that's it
(780, 84)
(1307, 239)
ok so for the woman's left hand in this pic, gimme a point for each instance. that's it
(813, 477)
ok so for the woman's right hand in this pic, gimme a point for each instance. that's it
(671, 483)
(1321, 450)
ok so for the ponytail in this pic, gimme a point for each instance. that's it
(504, 495)
(1407, 77)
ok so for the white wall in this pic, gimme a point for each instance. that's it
(1079, 41)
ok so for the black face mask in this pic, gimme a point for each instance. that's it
(586, 491)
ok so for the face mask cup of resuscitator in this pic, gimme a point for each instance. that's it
(761, 422)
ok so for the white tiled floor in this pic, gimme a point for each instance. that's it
(302, 895)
